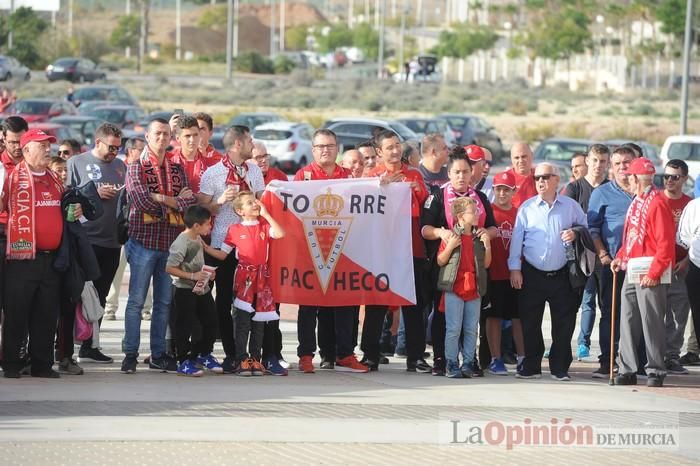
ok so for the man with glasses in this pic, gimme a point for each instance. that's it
(262, 159)
(102, 167)
(607, 208)
(675, 176)
(537, 261)
(67, 148)
(484, 183)
(341, 318)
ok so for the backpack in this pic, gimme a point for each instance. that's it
(123, 206)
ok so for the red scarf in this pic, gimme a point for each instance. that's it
(449, 195)
(154, 180)
(21, 225)
(236, 174)
(199, 164)
(637, 220)
(252, 285)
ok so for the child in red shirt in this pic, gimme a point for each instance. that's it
(253, 303)
(463, 303)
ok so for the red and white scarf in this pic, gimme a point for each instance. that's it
(252, 286)
(236, 174)
(449, 196)
(21, 224)
(638, 219)
(154, 180)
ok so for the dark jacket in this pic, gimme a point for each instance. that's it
(584, 249)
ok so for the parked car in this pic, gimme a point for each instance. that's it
(105, 92)
(470, 129)
(60, 132)
(560, 149)
(650, 151)
(288, 143)
(75, 69)
(85, 125)
(354, 131)
(142, 124)
(40, 109)
(423, 126)
(252, 120)
(11, 68)
(121, 115)
(86, 108)
(686, 148)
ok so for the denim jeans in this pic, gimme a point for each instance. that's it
(461, 317)
(401, 336)
(588, 308)
(145, 264)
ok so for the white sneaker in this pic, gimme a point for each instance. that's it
(146, 315)
(110, 315)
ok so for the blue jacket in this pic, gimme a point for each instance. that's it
(607, 210)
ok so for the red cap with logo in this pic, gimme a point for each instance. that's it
(504, 179)
(641, 166)
(35, 134)
(475, 153)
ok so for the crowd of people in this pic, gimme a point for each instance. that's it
(489, 252)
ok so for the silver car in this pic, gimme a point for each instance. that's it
(288, 143)
(11, 68)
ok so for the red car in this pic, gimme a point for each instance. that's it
(35, 110)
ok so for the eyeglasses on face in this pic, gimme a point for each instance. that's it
(110, 147)
(64, 152)
(544, 177)
(672, 177)
(323, 147)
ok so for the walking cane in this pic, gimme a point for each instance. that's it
(612, 329)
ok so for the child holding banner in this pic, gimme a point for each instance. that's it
(253, 304)
(463, 259)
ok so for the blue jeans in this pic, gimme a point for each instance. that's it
(401, 336)
(461, 317)
(145, 264)
(588, 307)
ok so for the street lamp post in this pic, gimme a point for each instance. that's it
(686, 65)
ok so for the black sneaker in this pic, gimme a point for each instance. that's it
(129, 364)
(46, 374)
(690, 359)
(327, 364)
(93, 355)
(510, 359)
(11, 374)
(373, 366)
(228, 365)
(626, 379)
(419, 366)
(674, 367)
(438, 367)
(163, 364)
(476, 369)
(655, 380)
(601, 373)
(383, 360)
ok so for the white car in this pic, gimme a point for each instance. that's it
(686, 148)
(288, 143)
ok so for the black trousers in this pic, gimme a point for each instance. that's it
(272, 338)
(31, 308)
(195, 324)
(108, 258)
(66, 322)
(225, 271)
(555, 289)
(413, 321)
(248, 334)
(343, 319)
(692, 283)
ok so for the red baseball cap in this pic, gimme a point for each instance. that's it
(641, 166)
(475, 153)
(504, 179)
(35, 134)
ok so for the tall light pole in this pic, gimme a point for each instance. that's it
(272, 28)
(283, 18)
(127, 50)
(178, 32)
(380, 60)
(351, 7)
(229, 40)
(236, 15)
(686, 65)
(404, 12)
(9, 33)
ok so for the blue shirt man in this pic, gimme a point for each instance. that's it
(606, 215)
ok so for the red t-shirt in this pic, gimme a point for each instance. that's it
(465, 283)
(418, 197)
(677, 206)
(313, 171)
(274, 174)
(194, 169)
(525, 187)
(251, 240)
(500, 247)
(48, 216)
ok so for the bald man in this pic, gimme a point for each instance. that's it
(354, 161)
(521, 168)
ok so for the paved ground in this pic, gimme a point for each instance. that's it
(105, 417)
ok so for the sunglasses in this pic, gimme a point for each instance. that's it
(543, 177)
(672, 177)
(110, 147)
(63, 152)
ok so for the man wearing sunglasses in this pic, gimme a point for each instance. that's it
(675, 176)
(537, 262)
(101, 166)
(67, 148)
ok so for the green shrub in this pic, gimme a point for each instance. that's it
(253, 62)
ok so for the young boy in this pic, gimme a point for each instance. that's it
(58, 166)
(195, 314)
(504, 303)
(462, 303)
(253, 303)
